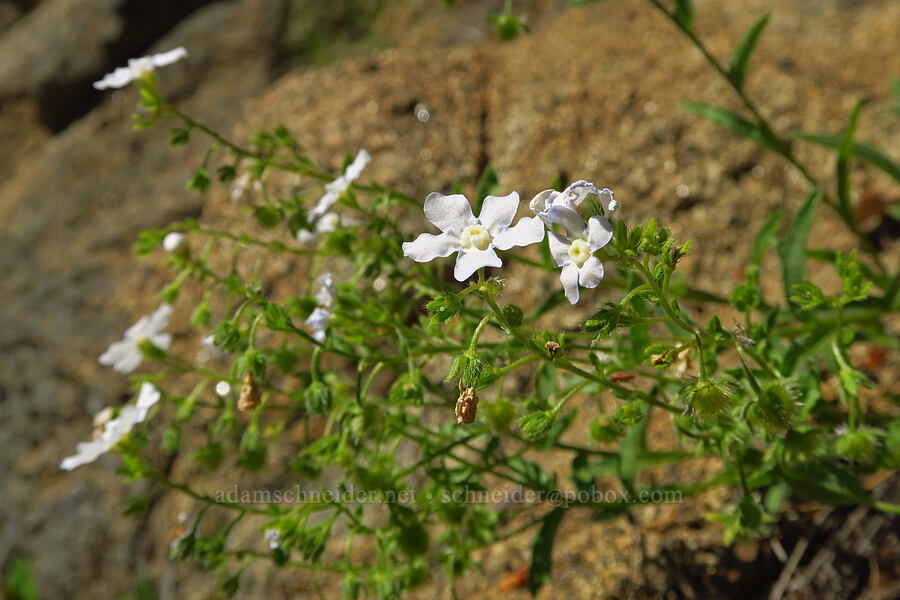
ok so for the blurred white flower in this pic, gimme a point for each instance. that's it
(327, 292)
(334, 189)
(571, 197)
(474, 239)
(138, 67)
(242, 185)
(318, 320)
(327, 223)
(174, 242)
(114, 429)
(273, 536)
(575, 251)
(125, 355)
(223, 388)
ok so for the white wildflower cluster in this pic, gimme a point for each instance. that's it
(113, 429)
(273, 537)
(475, 240)
(325, 297)
(320, 217)
(138, 68)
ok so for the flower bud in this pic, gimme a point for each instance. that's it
(537, 425)
(859, 445)
(250, 396)
(466, 406)
(174, 242)
(318, 398)
(776, 407)
(707, 398)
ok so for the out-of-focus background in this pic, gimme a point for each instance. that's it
(592, 92)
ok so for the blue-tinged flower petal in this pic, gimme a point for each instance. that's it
(427, 247)
(599, 232)
(449, 213)
(591, 273)
(569, 279)
(497, 212)
(559, 248)
(529, 230)
(471, 260)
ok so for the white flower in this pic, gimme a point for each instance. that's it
(334, 189)
(114, 429)
(571, 197)
(174, 242)
(318, 320)
(327, 292)
(327, 223)
(575, 253)
(474, 239)
(273, 536)
(223, 388)
(138, 67)
(125, 355)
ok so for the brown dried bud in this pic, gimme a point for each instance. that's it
(622, 376)
(249, 398)
(552, 348)
(466, 405)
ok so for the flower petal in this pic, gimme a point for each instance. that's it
(497, 212)
(568, 218)
(167, 58)
(569, 279)
(160, 319)
(128, 362)
(591, 273)
(599, 232)
(448, 213)
(146, 399)
(325, 202)
(540, 203)
(161, 340)
(607, 199)
(529, 230)
(471, 260)
(559, 248)
(427, 247)
(359, 163)
(119, 78)
(574, 195)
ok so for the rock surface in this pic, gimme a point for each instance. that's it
(594, 93)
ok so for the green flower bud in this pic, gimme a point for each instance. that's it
(537, 425)
(318, 398)
(605, 431)
(513, 314)
(499, 414)
(776, 407)
(859, 444)
(706, 399)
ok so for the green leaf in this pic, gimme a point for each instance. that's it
(845, 203)
(684, 14)
(542, 551)
(488, 185)
(737, 124)
(865, 152)
(19, 583)
(765, 236)
(792, 249)
(737, 68)
(826, 482)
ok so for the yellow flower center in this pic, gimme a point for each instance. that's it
(579, 252)
(475, 236)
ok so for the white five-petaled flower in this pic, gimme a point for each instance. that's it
(318, 320)
(138, 67)
(575, 251)
(113, 429)
(474, 239)
(125, 355)
(571, 197)
(334, 189)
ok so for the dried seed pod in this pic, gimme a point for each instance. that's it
(466, 405)
(552, 348)
(250, 397)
